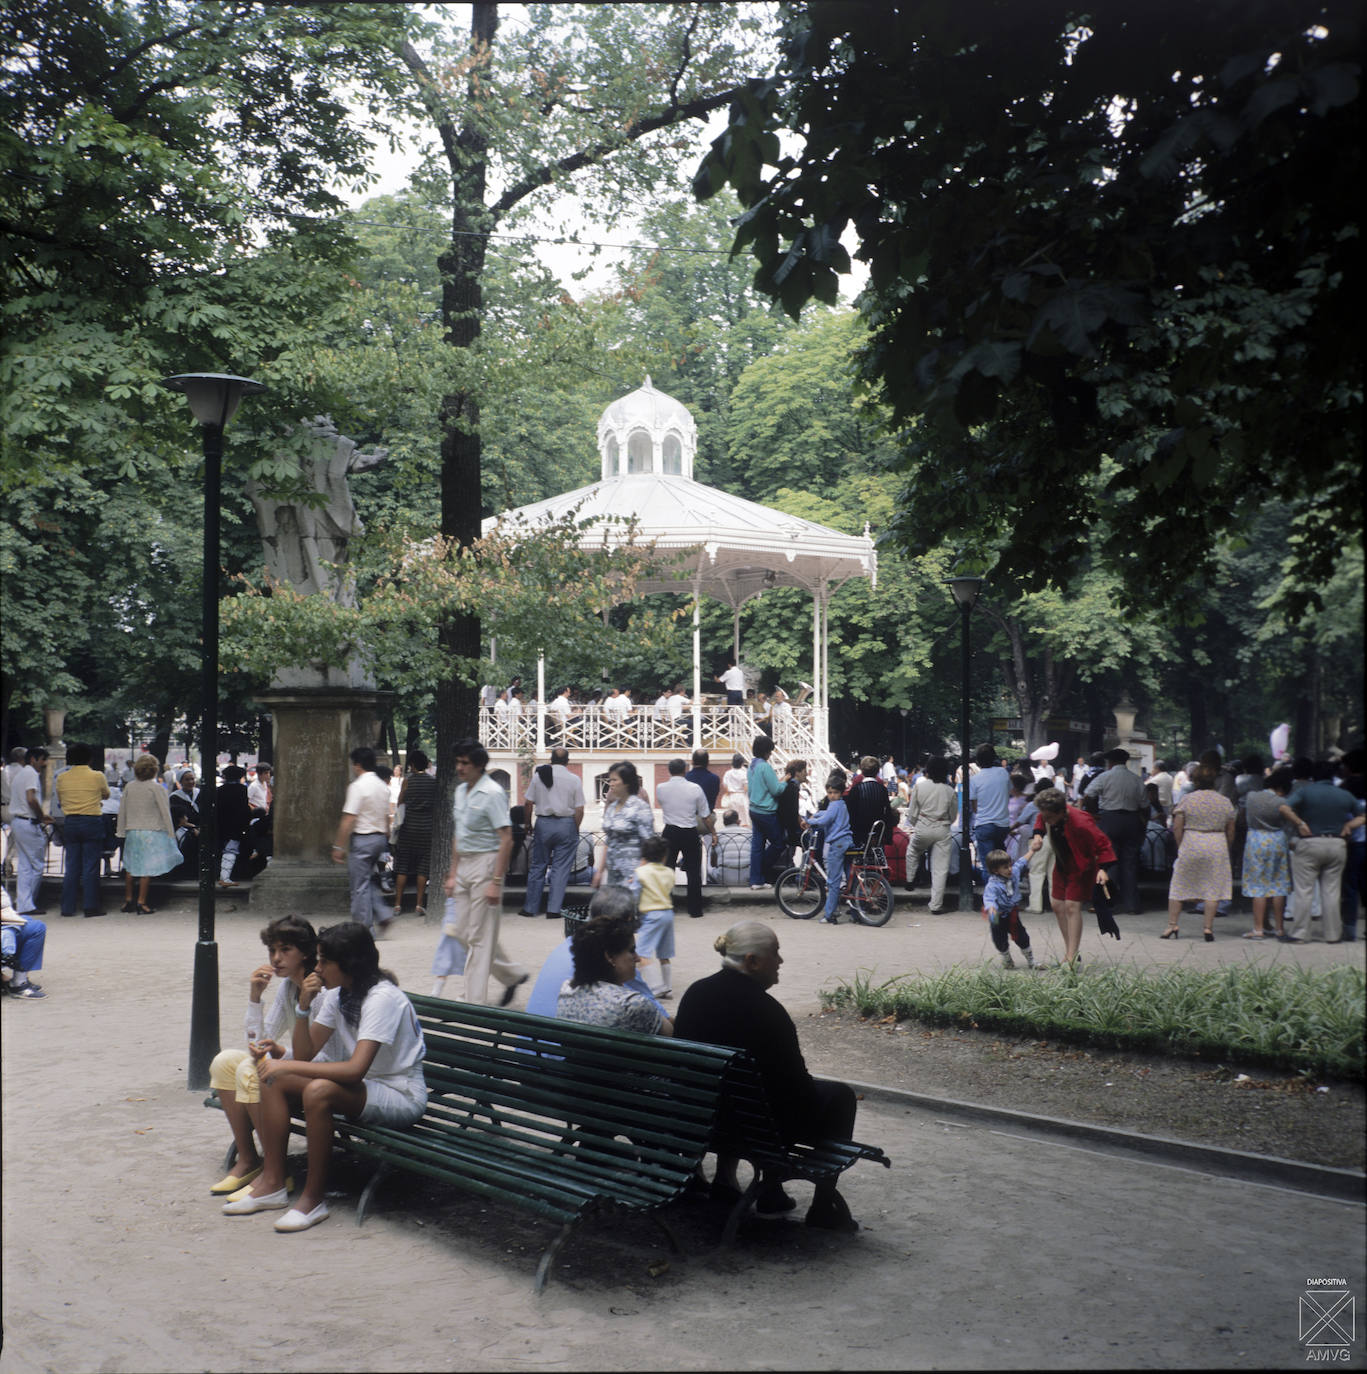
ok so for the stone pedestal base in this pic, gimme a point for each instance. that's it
(299, 887)
(314, 731)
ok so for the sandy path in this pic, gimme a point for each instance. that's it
(980, 1250)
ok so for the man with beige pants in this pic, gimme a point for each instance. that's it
(480, 851)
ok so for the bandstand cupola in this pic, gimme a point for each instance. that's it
(647, 432)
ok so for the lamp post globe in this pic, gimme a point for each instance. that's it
(214, 398)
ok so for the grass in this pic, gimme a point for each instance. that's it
(1307, 1020)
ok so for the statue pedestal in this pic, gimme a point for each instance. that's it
(314, 731)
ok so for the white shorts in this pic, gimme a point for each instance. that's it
(386, 1105)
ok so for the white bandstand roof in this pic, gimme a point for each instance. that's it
(731, 549)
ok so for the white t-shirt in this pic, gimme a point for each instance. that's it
(615, 706)
(368, 800)
(662, 706)
(676, 704)
(561, 707)
(733, 679)
(25, 778)
(387, 1016)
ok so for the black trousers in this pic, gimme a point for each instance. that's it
(1125, 830)
(686, 842)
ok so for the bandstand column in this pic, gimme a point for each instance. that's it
(697, 670)
(540, 705)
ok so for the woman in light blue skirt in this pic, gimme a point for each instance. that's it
(147, 831)
(1267, 857)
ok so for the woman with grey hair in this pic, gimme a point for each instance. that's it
(733, 1007)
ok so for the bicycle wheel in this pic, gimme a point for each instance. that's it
(871, 897)
(800, 892)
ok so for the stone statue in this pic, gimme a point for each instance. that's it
(305, 543)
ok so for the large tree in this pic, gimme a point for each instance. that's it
(576, 88)
(1100, 239)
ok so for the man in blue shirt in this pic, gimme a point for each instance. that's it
(480, 849)
(1323, 816)
(989, 795)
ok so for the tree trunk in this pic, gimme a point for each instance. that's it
(462, 306)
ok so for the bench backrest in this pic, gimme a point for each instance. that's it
(531, 1079)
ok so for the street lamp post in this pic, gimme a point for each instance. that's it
(965, 591)
(213, 399)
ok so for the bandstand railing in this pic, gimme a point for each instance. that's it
(797, 732)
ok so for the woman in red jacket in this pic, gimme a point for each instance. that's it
(1080, 849)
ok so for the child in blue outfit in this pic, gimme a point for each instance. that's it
(834, 823)
(1001, 905)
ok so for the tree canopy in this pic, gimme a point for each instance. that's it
(1100, 240)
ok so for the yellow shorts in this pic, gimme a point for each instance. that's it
(234, 1071)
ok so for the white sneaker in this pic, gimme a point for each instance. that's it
(1008, 961)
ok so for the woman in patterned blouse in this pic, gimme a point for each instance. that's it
(604, 953)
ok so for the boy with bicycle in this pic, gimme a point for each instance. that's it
(834, 824)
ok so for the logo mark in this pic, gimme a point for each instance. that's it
(1328, 1314)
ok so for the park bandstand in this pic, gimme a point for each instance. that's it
(711, 544)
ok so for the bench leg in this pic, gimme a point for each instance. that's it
(549, 1254)
(369, 1190)
(733, 1217)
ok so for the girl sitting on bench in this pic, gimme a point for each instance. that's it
(293, 947)
(353, 1009)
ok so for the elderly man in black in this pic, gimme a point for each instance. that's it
(733, 1007)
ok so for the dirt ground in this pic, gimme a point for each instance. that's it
(980, 1249)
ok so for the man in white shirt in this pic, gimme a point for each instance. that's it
(29, 815)
(615, 707)
(560, 712)
(733, 679)
(554, 804)
(685, 809)
(362, 836)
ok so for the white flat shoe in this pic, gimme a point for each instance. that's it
(246, 1188)
(295, 1220)
(245, 1206)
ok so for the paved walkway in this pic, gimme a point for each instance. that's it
(984, 1246)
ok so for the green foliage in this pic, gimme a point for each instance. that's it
(1305, 1019)
(1120, 237)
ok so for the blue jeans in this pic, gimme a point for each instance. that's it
(83, 839)
(988, 838)
(835, 873)
(554, 841)
(766, 839)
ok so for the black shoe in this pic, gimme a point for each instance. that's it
(724, 1192)
(772, 1202)
(831, 1214)
(93, 913)
(553, 916)
(511, 991)
(532, 914)
(129, 907)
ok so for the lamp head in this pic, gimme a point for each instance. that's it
(966, 591)
(213, 396)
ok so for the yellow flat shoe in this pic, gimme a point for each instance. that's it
(235, 1181)
(247, 1187)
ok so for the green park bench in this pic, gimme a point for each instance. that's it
(569, 1122)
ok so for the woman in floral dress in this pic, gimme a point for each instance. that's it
(1203, 828)
(627, 821)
